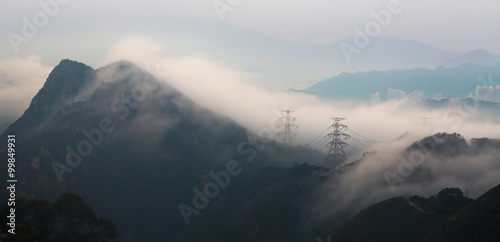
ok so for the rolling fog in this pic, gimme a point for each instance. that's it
(231, 93)
(379, 128)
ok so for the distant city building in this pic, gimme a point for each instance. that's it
(375, 98)
(439, 97)
(395, 94)
(415, 97)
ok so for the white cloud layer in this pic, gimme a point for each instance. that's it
(232, 93)
(20, 80)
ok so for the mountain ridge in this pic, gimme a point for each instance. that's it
(447, 216)
(478, 221)
(133, 140)
(477, 56)
(63, 82)
(360, 85)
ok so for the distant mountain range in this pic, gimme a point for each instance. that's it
(451, 82)
(479, 56)
(281, 64)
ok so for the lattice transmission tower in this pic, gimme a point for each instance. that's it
(336, 153)
(288, 125)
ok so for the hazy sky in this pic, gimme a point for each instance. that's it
(84, 30)
(36, 35)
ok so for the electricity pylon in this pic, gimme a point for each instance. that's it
(288, 126)
(336, 153)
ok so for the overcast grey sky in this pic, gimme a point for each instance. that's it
(93, 32)
(90, 27)
(35, 35)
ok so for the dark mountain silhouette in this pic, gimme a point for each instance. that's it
(400, 219)
(69, 218)
(63, 83)
(447, 216)
(478, 221)
(135, 149)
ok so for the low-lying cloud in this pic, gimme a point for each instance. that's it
(379, 128)
(233, 94)
(388, 172)
(20, 80)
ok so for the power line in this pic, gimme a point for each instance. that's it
(322, 142)
(319, 135)
(323, 145)
(352, 147)
(359, 141)
(368, 139)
